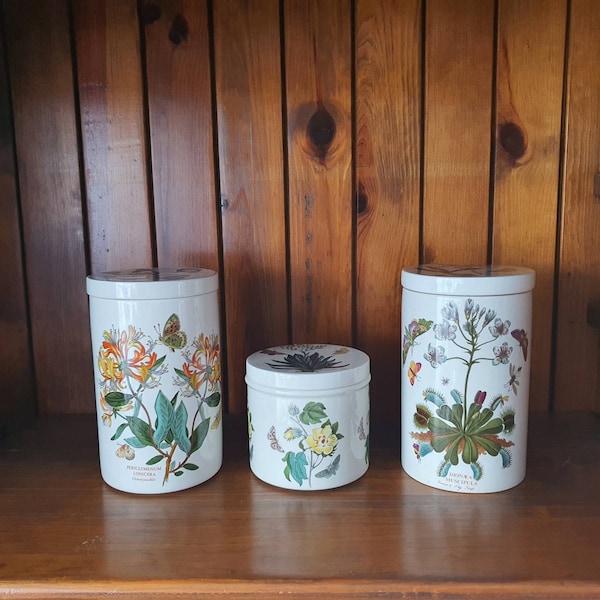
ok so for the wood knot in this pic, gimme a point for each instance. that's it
(362, 200)
(320, 132)
(149, 13)
(512, 140)
(179, 31)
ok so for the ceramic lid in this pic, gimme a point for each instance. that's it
(308, 367)
(460, 280)
(152, 284)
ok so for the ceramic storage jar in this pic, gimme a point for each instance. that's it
(308, 415)
(157, 368)
(466, 359)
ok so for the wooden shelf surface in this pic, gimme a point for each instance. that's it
(65, 534)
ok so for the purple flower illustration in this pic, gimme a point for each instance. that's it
(435, 356)
(445, 330)
(502, 354)
(499, 328)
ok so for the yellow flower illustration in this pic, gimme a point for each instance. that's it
(322, 441)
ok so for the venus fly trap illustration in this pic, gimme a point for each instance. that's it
(464, 424)
(131, 372)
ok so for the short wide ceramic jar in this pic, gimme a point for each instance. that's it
(308, 415)
(466, 357)
(157, 368)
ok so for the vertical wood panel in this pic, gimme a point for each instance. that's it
(249, 108)
(459, 53)
(388, 140)
(318, 90)
(45, 130)
(112, 122)
(577, 343)
(17, 401)
(528, 123)
(179, 102)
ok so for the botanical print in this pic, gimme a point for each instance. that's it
(305, 358)
(461, 424)
(130, 376)
(318, 445)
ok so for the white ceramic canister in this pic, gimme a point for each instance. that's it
(466, 357)
(308, 415)
(157, 367)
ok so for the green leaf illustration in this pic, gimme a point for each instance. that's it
(141, 430)
(155, 459)
(117, 399)
(164, 417)
(119, 431)
(296, 467)
(135, 443)
(179, 428)
(199, 435)
(314, 412)
(214, 399)
(191, 467)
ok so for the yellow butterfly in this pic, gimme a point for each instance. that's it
(413, 370)
(172, 336)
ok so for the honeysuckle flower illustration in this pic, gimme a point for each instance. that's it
(123, 356)
(502, 354)
(204, 366)
(322, 441)
(435, 356)
(109, 411)
(462, 425)
(445, 330)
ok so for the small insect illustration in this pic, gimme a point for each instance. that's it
(521, 336)
(331, 469)
(413, 369)
(272, 436)
(361, 430)
(172, 336)
(411, 332)
(445, 380)
(513, 382)
(125, 451)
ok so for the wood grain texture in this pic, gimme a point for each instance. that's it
(41, 75)
(529, 84)
(577, 385)
(234, 536)
(250, 137)
(181, 132)
(318, 94)
(112, 126)
(388, 139)
(459, 54)
(17, 402)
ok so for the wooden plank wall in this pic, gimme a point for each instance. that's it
(308, 151)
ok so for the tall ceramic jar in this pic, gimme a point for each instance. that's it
(157, 368)
(466, 360)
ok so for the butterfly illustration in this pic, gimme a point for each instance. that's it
(513, 382)
(417, 451)
(331, 469)
(521, 336)
(172, 336)
(125, 451)
(273, 439)
(413, 369)
(361, 430)
(411, 332)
